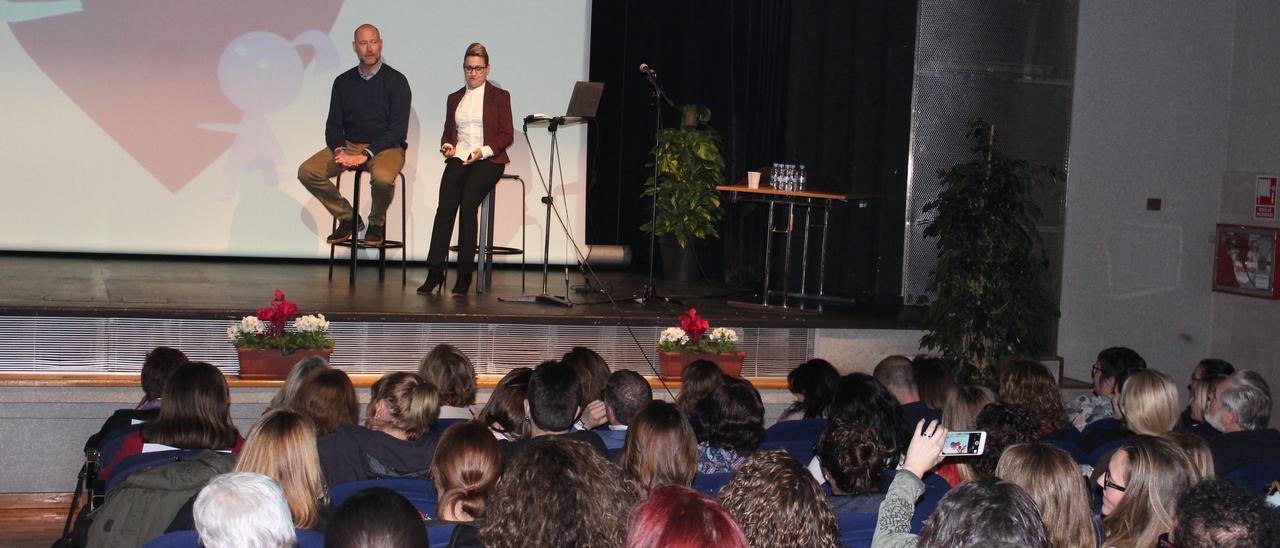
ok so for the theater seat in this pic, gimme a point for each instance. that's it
(856, 528)
(438, 536)
(188, 539)
(1256, 477)
(1065, 440)
(798, 437)
(421, 493)
(133, 463)
(710, 484)
(444, 424)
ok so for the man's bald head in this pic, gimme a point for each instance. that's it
(376, 33)
(894, 372)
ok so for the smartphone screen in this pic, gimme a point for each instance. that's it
(964, 444)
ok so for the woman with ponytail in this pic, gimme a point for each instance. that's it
(465, 469)
(394, 444)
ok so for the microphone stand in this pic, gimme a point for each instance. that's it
(650, 292)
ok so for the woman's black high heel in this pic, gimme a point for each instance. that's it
(462, 284)
(434, 283)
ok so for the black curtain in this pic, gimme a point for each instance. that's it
(825, 84)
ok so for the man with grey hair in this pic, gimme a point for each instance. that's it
(243, 510)
(1241, 410)
(896, 375)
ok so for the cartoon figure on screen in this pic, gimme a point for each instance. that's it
(261, 73)
(477, 132)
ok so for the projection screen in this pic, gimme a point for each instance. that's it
(177, 127)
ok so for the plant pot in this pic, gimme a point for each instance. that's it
(679, 264)
(672, 364)
(269, 364)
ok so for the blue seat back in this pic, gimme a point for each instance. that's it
(710, 484)
(856, 528)
(444, 424)
(133, 463)
(1256, 477)
(113, 441)
(421, 493)
(189, 539)
(797, 437)
(438, 536)
(934, 489)
(1066, 443)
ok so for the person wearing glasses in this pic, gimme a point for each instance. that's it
(477, 132)
(1139, 490)
(1108, 374)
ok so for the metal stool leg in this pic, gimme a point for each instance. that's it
(404, 240)
(484, 249)
(334, 227)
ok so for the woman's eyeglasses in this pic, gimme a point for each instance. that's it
(1107, 483)
(473, 68)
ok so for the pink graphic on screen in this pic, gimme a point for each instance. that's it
(147, 72)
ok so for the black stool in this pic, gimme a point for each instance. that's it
(356, 245)
(488, 250)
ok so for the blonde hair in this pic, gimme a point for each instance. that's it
(1149, 401)
(1054, 481)
(964, 403)
(1197, 450)
(1159, 472)
(476, 49)
(413, 404)
(282, 445)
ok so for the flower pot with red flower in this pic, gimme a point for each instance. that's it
(695, 340)
(268, 350)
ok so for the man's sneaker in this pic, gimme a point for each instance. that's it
(345, 230)
(375, 235)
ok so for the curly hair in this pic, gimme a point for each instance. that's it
(1006, 424)
(861, 398)
(582, 499)
(852, 457)
(732, 417)
(1222, 513)
(778, 504)
(412, 405)
(504, 412)
(985, 513)
(1030, 384)
(679, 517)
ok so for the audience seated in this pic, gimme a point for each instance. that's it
(1241, 410)
(1140, 488)
(1006, 425)
(375, 518)
(852, 458)
(675, 516)
(813, 384)
(1220, 513)
(897, 376)
(552, 404)
(624, 394)
(660, 447)
(976, 514)
(559, 492)
(159, 364)
(593, 373)
(396, 444)
(243, 510)
(1109, 373)
(729, 424)
(1030, 384)
(934, 380)
(329, 400)
(1192, 419)
(195, 413)
(449, 370)
(698, 379)
(1053, 480)
(1197, 451)
(504, 412)
(860, 398)
(465, 470)
(1202, 392)
(778, 504)
(960, 414)
(1148, 404)
(288, 393)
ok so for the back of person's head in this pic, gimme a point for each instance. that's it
(449, 370)
(406, 403)
(1154, 472)
(465, 468)
(895, 374)
(1030, 384)
(1117, 363)
(592, 370)
(195, 410)
(159, 364)
(1223, 514)
(375, 518)
(732, 417)
(580, 498)
(553, 396)
(934, 380)
(243, 510)
(675, 516)
(777, 503)
(625, 393)
(504, 412)
(1053, 480)
(301, 370)
(282, 445)
(964, 403)
(985, 513)
(698, 380)
(1005, 425)
(861, 398)
(1197, 450)
(660, 447)
(1211, 367)
(816, 381)
(1246, 394)
(1149, 402)
(329, 400)
(853, 457)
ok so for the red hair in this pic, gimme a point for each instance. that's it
(678, 517)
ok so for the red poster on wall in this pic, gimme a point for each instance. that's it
(1264, 198)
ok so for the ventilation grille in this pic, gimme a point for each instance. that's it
(41, 344)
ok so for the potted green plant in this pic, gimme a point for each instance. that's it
(687, 203)
(989, 281)
(267, 349)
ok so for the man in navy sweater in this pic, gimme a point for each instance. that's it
(366, 129)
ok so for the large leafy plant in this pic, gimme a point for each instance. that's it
(989, 278)
(690, 167)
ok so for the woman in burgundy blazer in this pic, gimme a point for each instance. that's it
(477, 132)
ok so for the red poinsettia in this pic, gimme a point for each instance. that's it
(692, 325)
(282, 310)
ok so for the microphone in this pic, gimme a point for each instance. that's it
(648, 70)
